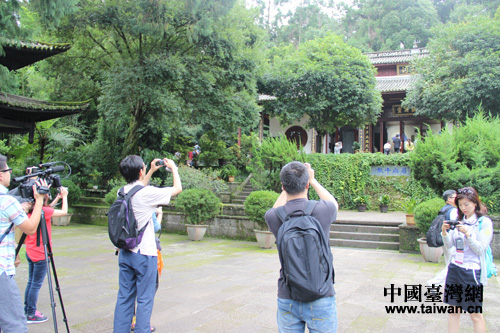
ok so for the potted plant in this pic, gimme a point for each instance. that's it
(361, 201)
(425, 213)
(256, 206)
(229, 171)
(409, 207)
(383, 202)
(198, 205)
(356, 146)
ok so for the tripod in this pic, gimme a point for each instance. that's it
(43, 234)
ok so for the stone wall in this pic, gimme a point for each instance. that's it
(238, 227)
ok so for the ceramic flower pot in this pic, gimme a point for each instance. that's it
(265, 239)
(196, 232)
(431, 254)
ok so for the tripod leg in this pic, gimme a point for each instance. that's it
(58, 288)
(45, 238)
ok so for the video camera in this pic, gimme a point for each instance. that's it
(453, 223)
(27, 182)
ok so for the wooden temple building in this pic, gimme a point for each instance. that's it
(393, 80)
(19, 114)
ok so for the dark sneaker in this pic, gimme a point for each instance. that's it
(37, 318)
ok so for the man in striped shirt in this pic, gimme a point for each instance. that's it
(12, 317)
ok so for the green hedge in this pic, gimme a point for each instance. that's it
(347, 176)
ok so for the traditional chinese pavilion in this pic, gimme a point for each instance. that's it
(19, 114)
(394, 78)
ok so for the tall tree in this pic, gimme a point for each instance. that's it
(307, 22)
(374, 25)
(163, 63)
(461, 73)
(325, 79)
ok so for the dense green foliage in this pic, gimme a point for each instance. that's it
(325, 79)
(462, 156)
(257, 204)
(267, 160)
(199, 178)
(426, 212)
(461, 72)
(347, 176)
(374, 25)
(199, 205)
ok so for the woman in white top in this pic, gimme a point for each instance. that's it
(467, 243)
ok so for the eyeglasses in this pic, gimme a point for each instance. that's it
(9, 170)
(465, 191)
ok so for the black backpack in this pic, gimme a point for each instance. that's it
(305, 255)
(434, 238)
(122, 225)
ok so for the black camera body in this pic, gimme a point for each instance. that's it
(162, 163)
(453, 224)
(27, 182)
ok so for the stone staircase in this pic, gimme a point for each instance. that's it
(366, 232)
(245, 192)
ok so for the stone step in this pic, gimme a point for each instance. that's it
(365, 236)
(369, 222)
(377, 229)
(233, 209)
(364, 244)
(92, 201)
(238, 201)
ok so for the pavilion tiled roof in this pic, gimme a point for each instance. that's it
(394, 83)
(18, 54)
(396, 57)
(19, 114)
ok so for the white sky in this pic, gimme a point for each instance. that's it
(292, 4)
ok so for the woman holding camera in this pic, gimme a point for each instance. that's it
(467, 243)
(36, 260)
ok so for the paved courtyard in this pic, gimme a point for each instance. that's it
(220, 285)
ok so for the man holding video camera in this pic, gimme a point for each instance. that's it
(12, 318)
(139, 266)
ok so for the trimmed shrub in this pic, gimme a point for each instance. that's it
(257, 204)
(426, 212)
(199, 205)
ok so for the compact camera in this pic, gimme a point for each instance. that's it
(453, 224)
(161, 162)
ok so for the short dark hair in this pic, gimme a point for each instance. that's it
(447, 194)
(130, 167)
(3, 162)
(294, 177)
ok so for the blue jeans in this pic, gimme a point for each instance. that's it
(12, 318)
(137, 279)
(36, 275)
(320, 315)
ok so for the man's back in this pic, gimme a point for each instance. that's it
(325, 212)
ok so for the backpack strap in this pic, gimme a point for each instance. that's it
(282, 215)
(8, 229)
(310, 207)
(280, 211)
(130, 193)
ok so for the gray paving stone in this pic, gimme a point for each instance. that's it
(220, 285)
